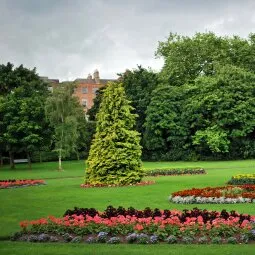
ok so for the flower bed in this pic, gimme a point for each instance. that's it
(177, 171)
(241, 179)
(218, 195)
(120, 225)
(4, 184)
(84, 185)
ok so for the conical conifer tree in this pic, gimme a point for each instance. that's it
(115, 153)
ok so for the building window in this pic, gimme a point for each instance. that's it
(84, 90)
(94, 90)
(84, 102)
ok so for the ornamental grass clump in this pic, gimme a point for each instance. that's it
(115, 153)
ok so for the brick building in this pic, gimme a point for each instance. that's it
(86, 88)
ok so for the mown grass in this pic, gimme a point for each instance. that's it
(63, 191)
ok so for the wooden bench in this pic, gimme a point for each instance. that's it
(24, 160)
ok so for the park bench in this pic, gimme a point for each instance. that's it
(24, 160)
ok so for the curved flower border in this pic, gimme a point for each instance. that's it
(5, 184)
(171, 225)
(214, 195)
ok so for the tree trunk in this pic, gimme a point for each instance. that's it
(60, 160)
(59, 163)
(12, 166)
(29, 160)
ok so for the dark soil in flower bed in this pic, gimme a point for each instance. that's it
(116, 185)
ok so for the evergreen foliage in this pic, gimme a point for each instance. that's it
(114, 156)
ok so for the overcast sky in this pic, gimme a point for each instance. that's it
(67, 39)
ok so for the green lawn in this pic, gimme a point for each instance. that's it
(62, 192)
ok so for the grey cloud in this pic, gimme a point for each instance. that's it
(67, 39)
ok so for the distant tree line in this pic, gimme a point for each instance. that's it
(200, 106)
(35, 122)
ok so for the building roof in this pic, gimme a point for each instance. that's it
(92, 81)
(46, 79)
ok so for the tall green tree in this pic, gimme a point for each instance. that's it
(22, 118)
(139, 84)
(63, 112)
(92, 112)
(114, 156)
(186, 58)
(221, 108)
(211, 117)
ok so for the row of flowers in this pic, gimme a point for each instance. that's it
(209, 200)
(139, 238)
(143, 183)
(225, 194)
(189, 223)
(241, 179)
(111, 212)
(177, 171)
(19, 183)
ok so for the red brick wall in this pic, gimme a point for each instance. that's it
(89, 96)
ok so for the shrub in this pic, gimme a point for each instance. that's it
(43, 237)
(114, 240)
(67, 237)
(76, 239)
(187, 239)
(53, 239)
(101, 237)
(171, 239)
(131, 238)
(32, 238)
(91, 239)
(143, 239)
(202, 240)
(232, 240)
(244, 238)
(216, 240)
(115, 153)
(154, 239)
